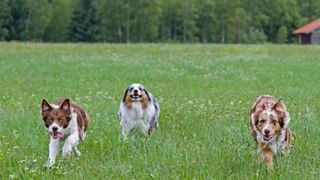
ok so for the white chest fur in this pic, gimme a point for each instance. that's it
(73, 125)
(136, 117)
(135, 112)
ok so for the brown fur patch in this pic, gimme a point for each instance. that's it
(128, 101)
(144, 100)
(82, 118)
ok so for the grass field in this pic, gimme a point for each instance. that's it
(205, 93)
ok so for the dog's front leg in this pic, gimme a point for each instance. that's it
(266, 155)
(125, 129)
(53, 150)
(71, 142)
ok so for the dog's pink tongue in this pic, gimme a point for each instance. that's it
(54, 133)
(266, 137)
(61, 135)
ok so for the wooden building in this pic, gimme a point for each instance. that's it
(310, 33)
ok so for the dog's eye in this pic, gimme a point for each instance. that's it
(130, 89)
(140, 88)
(274, 121)
(262, 121)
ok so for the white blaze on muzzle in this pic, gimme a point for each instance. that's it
(55, 131)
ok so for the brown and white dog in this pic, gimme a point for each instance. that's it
(65, 121)
(138, 110)
(269, 121)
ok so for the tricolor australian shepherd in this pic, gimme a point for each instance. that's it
(65, 121)
(138, 110)
(269, 121)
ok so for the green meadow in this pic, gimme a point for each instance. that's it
(205, 93)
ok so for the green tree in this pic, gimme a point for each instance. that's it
(224, 9)
(257, 20)
(170, 21)
(238, 23)
(5, 17)
(18, 18)
(282, 34)
(256, 36)
(280, 13)
(190, 17)
(142, 20)
(84, 22)
(309, 9)
(113, 15)
(60, 19)
(207, 22)
(37, 19)
(222, 21)
(179, 20)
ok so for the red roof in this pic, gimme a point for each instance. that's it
(308, 28)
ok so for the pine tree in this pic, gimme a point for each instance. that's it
(84, 22)
(5, 17)
(18, 18)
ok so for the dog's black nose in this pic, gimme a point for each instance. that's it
(54, 128)
(135, 91)
(266, 131)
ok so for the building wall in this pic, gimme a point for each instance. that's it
(305, 38)
(315, 36)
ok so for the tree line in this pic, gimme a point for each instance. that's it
(124, 21)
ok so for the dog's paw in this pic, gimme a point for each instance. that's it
(66, 153)
(49, 164)
(125, 140)
(77, 153)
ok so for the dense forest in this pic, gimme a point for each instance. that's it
(124, 21)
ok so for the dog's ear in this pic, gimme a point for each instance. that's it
(65, 105)
(279, 106)
(148, 95)
(258, 108)
(45, 106)
(281, 110)
(125, 95)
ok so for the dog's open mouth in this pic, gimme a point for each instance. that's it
(56, 134)
(135, 96)
(267, 137)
